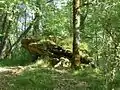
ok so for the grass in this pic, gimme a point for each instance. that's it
(35, 77)
(50, 79)
(39, 76)
(18, 58)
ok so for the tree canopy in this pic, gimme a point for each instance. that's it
(80, 29)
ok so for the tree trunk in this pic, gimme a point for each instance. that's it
(76, 31)
(6, 25)
(21, 36)
(36, 30)
(48, 48)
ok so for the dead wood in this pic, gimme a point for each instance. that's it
(48, 48)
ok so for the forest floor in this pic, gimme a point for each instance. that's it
(6, 75)
(35, 78)
(32, 77)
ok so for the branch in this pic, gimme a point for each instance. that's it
(87, 4)
(22, 35)
(49, 1)
(82, 19)
(111, 35)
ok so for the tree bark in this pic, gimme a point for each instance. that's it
(76, 32)
(36, 30)
(6, 25)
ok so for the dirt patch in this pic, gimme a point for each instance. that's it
(7, 74)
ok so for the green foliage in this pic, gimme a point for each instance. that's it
(67, 44)
(33, 78)
(38, 79)
(18, 58)
(100, 37)
(47, 79)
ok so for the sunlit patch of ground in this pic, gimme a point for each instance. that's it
(37, 77)
(32, 78)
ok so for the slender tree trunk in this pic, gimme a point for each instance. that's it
(4, 38)
(76, 32)
(36, 30)
(21, 36)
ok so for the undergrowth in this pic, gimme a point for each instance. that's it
(53, 79)
(38, 78)
(18, 58)
(42, 77)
